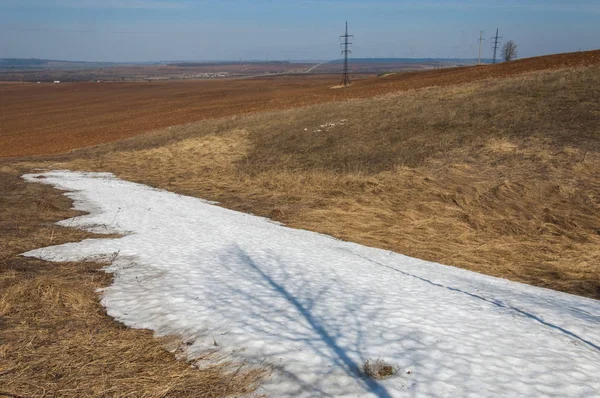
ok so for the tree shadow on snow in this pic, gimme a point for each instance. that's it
(290, 307)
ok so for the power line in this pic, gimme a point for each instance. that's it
(495, 43)
(346, 45)
(480, 41)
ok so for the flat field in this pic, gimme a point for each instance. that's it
(85, 72)
(48, 71)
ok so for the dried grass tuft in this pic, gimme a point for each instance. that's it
(378, 369)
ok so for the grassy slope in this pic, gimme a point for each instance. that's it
(497, 176)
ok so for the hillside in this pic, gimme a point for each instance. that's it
(25, 64)
(496, 177)
(40, 119)
(491, 169)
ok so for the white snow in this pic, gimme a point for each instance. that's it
(318, 308)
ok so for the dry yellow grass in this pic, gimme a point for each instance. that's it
(498, 177)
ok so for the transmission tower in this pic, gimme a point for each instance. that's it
(480, 41)
(346, 44)
(495, 43)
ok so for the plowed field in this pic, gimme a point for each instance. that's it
(39, 119)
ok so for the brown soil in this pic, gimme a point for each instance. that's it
(39, 119)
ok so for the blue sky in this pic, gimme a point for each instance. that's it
(151, 30)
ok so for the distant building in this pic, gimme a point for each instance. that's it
(56, 81)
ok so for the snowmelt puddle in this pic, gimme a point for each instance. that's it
(318, 308)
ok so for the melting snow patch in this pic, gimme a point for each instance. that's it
(329, 126)
(318, 308)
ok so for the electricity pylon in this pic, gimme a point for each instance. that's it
(346, 44)
(495, 43)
